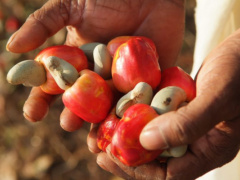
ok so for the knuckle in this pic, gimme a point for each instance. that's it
(220, 149)
(184, 129)
(180, 132)
(64, 9)
(150, 171)
(225, 150)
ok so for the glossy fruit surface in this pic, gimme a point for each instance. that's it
(106, 130)
(89, 97)
(175, 76)
(135, 61)
(125, 142)
(114, 44)
(73, 55)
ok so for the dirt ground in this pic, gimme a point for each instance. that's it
(31, 151)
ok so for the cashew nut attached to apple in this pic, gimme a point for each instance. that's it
(63, 72)
(170, 99)
(176, 89)
(35, 73)
(142, 93)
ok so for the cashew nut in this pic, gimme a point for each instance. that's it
(170, 99)
(88, 49)
(98, 53)
(178, 151)
(142, 93)
(28, 72)
(102, 61)
(63, 72)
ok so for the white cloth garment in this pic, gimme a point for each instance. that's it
(215, 20)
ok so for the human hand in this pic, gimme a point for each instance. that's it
(99, 21)
(209, 124)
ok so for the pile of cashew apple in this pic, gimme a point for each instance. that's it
(118, 85)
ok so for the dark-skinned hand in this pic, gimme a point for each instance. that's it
(210, 124)
(98, 21)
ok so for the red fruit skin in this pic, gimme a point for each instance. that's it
(135, 61)
(106, 130)
(175, 76)
(73, 55)
(125, 142)
(114, 44)
(89, 97)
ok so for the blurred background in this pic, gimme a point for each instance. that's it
(42, 150)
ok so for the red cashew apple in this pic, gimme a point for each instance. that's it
(125, 141)
(177, 88)
(175, 76)
(73, 55)
(89, 97)
(135, 61)
(114, 44)
(106, 130)
(35, 73)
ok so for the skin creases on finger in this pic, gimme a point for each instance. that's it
(154, 170)
(69, 121)
(106, 163)
(40, 25)
(37, 105)
(218, 147)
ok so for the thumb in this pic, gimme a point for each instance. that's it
(179, 127)
(42, 24)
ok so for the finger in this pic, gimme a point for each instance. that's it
(149, 171)
(37, 105)
(69, 121)
(217, 100)
(107, 164)
(92, 139)
(190, 122)
(215, 149)
(178, 127)
(43, 23)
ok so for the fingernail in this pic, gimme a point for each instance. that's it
(29, 118)
(152, 138)
(101, 164)
(8, 46)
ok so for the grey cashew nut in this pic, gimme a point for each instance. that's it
(178, 151)
(63, 72)
(102, 61)
(98, 53)
(88, 50)
(166, 100)
(142, 93)
(28, 72)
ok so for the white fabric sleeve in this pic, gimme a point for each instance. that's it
(215, 20)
